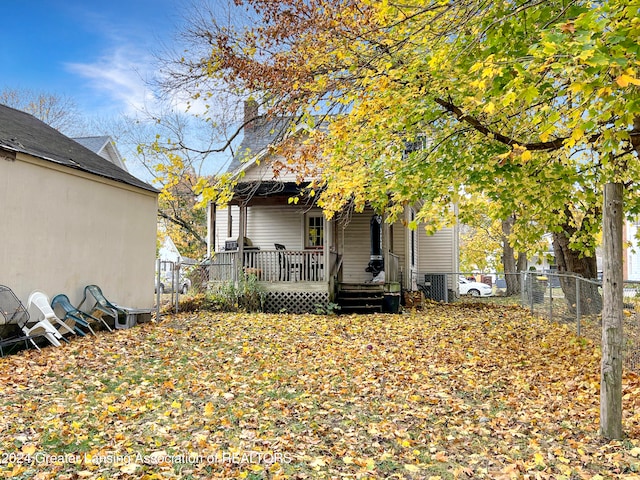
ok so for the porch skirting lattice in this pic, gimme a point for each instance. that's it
(295, 302)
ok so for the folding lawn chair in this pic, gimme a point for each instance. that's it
(101, 305)
(14, 312)
(80, 318)
(15, 340)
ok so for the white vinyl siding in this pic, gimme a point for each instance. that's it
(264, 172)
(265, 226)
(269, 225)
(437, 252)
(355, 239)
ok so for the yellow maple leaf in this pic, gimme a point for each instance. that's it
(624, 80)
(209, 410)
(539, 459)
(29, 449)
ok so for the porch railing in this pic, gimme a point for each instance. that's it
(269, 265)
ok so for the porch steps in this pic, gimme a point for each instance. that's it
(360, 297)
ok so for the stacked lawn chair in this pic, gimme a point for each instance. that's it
(71, 313)
(14, 312)
(39, 301)
(98, 305)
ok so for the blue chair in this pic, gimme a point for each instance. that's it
(80, 319)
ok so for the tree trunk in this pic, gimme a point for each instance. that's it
(511, 276)
(611, 369)
(571, 262)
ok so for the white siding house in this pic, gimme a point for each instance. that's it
(632, 251)
(105, 147)
(321, 257)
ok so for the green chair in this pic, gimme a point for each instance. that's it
(101, 305)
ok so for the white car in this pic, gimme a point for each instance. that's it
(475, 289)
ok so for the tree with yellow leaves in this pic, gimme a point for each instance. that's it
(534, 104)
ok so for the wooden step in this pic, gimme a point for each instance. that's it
(360, 297)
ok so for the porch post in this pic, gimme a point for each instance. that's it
(328, 236)
(241, 231)
(386, 244)
(211, 228)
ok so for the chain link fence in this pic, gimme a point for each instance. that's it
(561, 298)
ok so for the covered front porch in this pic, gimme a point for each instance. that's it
(293, 253)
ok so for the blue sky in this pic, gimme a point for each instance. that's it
(97, 52)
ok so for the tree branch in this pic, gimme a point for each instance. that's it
(182, 223)
(482, 128)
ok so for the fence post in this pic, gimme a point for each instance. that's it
(176, 284)
(158, 293)
(578, 304)
(531, 292)
(550, 297)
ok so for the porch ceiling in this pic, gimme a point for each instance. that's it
(268, 193)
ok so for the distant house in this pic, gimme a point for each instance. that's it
(105, 147)
(301, 258)
(632, 250)
(71, 218)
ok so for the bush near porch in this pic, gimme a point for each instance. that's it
(454, 391)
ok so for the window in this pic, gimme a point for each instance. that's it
(315, 232)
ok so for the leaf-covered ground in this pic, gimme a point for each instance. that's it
(450, 392)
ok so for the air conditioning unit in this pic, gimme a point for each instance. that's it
(435, 287)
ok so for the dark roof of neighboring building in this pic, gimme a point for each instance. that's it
(22, 132)
(259, 135)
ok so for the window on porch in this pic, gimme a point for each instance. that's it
(314, 231)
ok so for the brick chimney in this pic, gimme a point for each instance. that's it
(250, 114)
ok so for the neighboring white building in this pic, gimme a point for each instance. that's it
(632, 251)
(168, 252)
(105, 147)
(71, 218)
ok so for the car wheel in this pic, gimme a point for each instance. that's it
(474, 293)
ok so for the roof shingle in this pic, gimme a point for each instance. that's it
(22, 132)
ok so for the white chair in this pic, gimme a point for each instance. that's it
(47, 317)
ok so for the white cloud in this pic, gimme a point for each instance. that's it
(120, 77)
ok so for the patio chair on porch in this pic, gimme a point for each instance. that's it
(285, 267)
(101, 305)
(40, 301)
(72, 314)
(14, 312)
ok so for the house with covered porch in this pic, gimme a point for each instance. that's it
(302, 259)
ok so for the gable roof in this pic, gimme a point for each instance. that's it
(261, 133)
(105, 147)
(23, 133)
